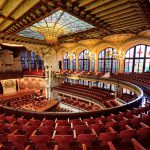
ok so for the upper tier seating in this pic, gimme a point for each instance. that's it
(94, 93)
(140, 79)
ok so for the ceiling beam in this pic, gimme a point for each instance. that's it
(108, 6)
(7, 18)
(114, 10)
(2, 3)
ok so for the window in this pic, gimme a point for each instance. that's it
(73, 61)
(33, 60)
(84, 62)
(66, 61)
(138, 59)
(107, 61)
(24, 60)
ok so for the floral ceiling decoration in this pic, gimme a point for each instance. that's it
(54, 26)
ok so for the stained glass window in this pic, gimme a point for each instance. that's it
(66, 61)
(33, 60)
(107, 62)
(24, 60)
(60, 22)
(84, 61)
(138, 59)
(73, 61)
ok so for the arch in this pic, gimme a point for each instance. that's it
(133, 42)
(103, 45)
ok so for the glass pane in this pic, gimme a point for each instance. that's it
(148, 52)
(138, 67)
(107, 65)
(93, 65)
(140, 50)
(131, 53)
(101, 65)
(147, 65)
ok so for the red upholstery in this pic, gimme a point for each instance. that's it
(63, 141)
(40, 141)
(87, 139)
(17, 140)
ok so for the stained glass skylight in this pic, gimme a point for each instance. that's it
(56, 25)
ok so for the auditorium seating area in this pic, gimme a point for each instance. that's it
(120, 131)
(140, 79)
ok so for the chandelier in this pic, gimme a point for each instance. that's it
(54, 26)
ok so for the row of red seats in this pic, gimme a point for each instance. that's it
(96, 94)
(80, 104)
(140, 79)
(104, 132)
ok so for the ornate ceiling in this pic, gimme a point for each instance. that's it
(109, 17)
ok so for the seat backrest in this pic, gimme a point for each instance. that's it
(127, 135)
(144, 133)
(86, 139)
(48, 122)
(46, 130)
(63, 141)
(106, 137)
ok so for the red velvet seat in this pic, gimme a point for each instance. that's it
(126, 136)
(34, 122)
(17, 140)
(97, 127)
(62, 123)
(63, 130)
(90, 140)
(46, 130)
(41, 141)
(64, 141)
(28, 129)
(81, 129)
(48, 122)
(106, 137)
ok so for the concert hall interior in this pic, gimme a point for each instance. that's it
(74, 75)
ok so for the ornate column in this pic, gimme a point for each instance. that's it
(48, 79)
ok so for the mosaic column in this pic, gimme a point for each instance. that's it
(48, 78)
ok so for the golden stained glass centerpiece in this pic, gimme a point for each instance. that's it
(54, 26)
